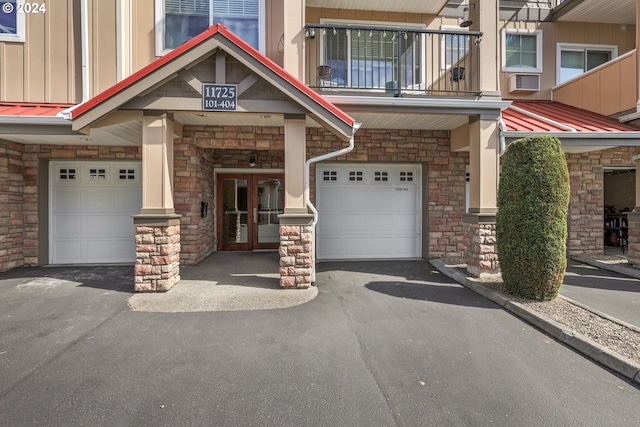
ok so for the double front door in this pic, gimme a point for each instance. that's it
(248, 209)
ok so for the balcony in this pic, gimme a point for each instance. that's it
(392, 61)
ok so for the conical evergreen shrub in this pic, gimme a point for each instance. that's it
(531, 224)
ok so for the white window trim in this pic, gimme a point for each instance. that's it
(374, 24)
(538, 34)
(159, 28)
(581, 47)
(443, 56)
(20, 36)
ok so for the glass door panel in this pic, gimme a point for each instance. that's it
(269, 206)
(233, 209)
(248, 209)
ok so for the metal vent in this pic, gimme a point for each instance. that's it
(524, 83)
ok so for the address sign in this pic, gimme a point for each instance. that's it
(217, 97)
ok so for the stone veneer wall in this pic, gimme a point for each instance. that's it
(195, 164)
(12, 202)
(25, 159)
(295, 256)
(193, 183)
(202, 150)
(586, 207)
(446, 175)
(482, 256)
(157, 266)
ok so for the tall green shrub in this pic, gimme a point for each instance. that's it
(531, 224)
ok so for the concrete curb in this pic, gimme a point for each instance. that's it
(616, 268)
(608, 358)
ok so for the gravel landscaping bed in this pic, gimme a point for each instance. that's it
(617, 337)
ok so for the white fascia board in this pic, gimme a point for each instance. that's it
(33, 120)
(601, 138)
(447, 103)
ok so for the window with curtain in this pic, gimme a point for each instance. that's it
(184, 19)
(522, 50)
(575, 59)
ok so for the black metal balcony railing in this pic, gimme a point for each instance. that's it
(392, 60)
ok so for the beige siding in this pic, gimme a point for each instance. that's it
(313, 15)
(608, 90)
(102, 33)
(274, 23)
(566, 32)
(43, 68)
(144, 40)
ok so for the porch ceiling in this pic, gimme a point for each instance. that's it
(432, 7)
(597, 11)
(127, 134)
(369, 120)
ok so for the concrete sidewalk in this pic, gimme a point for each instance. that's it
(613, 289)
(226, 281)
(611, 294)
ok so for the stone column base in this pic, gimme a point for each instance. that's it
(633, 233)
(157, 266)
(480, 240)
(295, 256)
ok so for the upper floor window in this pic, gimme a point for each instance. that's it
(522, 50)
(575, 59)
(177, 21)
(11, 22)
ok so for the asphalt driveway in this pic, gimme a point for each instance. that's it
(382, 344)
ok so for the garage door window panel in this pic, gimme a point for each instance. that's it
(67, 174)
(330, 176)
(356, 176)
(128, 175)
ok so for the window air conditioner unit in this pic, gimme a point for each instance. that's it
(524, 82)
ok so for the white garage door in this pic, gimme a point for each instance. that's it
(368, 211)
(91, 204)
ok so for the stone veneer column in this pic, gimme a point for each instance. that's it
(633, 220)
(480, 240)
(157, 266)
(633, 253)
(295, 256)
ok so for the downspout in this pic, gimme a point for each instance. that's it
(503, 139)
(307, 196)
(84, 38)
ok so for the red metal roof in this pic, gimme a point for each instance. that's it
(25, 109)
(210, 32)
(551, 116)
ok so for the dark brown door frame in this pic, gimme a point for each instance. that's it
(252, 213)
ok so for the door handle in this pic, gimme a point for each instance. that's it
(255, 215)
